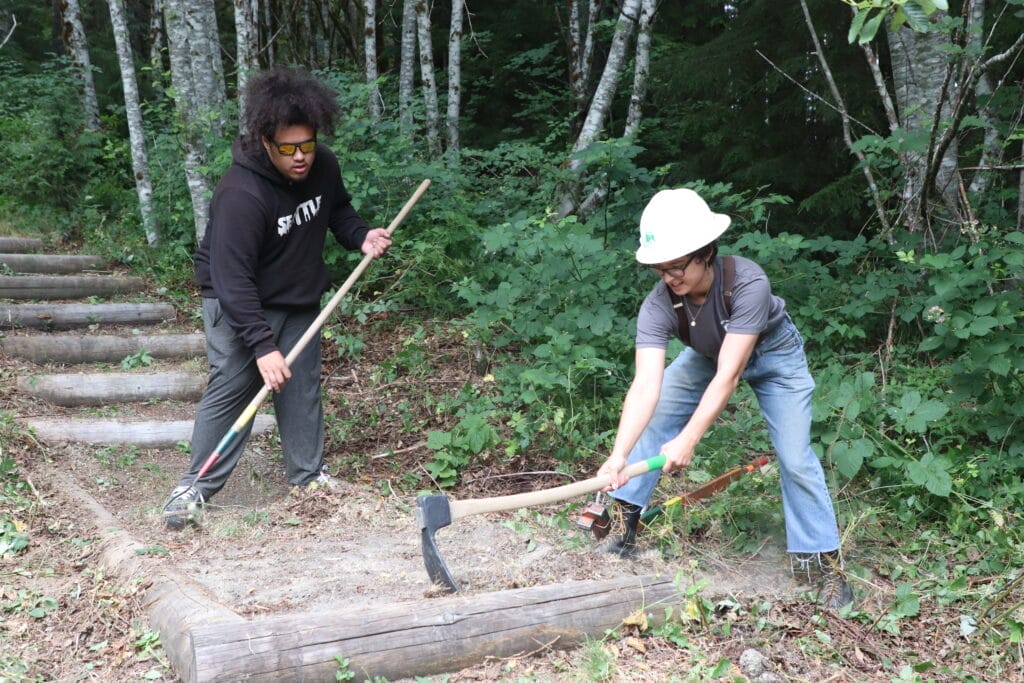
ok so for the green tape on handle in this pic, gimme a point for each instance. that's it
(656, 463)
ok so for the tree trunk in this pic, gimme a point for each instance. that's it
(920, 66)
(1020, 192)
(136, 132)
(370, 57)
(185, 45)
(581, 54)
(427, 81)
(74, 38)
(269, 32)
(246, 49)
(407, 68)
(454, 79)
(601, 103)
(157, 42)
(642, 67)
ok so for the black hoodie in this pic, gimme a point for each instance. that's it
(264, 241)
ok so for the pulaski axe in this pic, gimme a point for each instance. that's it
(435, 511)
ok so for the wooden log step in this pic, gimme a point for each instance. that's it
(108, 348)
(52, 264)
(66, 286)
(64, 316)
(153, 434)
(20, 244)
(76, 389)
(423, 637)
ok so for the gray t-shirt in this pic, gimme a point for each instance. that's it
(754, 310)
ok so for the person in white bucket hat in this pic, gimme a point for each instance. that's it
(733, 328)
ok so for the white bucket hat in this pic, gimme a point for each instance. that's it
(676, 223)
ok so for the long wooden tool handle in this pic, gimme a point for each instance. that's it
(464, 508)
(311, 331)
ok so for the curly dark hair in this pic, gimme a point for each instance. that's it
(284, 96)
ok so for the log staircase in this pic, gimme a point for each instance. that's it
(45, 322)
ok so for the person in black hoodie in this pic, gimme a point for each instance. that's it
(261, 272)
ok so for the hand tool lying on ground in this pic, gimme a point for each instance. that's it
(435, 511)
(704, 490)
(597, 519)
(313, 329)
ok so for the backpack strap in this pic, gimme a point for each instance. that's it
(728, 280)
(683, 315)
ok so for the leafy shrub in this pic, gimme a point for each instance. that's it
(48, 154)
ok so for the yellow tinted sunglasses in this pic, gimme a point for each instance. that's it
(287, 149)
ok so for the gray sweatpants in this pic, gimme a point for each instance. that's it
(235, 380)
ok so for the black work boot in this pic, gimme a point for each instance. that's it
(624, 544)
(834, 593)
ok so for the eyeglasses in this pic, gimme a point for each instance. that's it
(287, 149)
(672, 271)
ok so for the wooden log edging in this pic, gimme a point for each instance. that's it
(423, 637)
(174, 604)
(154, 434)
(76, 389)
(51, 264)
(109, 348)
(64, 316)
(20, 244)
(67, 286)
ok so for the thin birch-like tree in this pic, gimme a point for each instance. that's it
(601, 103)
(157, 42)
(6, 30)
(427, 81)
(193, 97)
(641, 68)
(454, 79)
(920, 76)
(581, 50)
(374, 105)
(246, 47)
(136, 132)
(74, 37)
(641, 72)
(407, 67)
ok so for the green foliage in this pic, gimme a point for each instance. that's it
(871, 13)
(454, 449)
(47, 153)
(139, 359)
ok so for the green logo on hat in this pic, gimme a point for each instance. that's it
(648, 238)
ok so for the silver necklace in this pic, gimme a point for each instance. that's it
(692, 316)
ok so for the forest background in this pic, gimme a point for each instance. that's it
(869, 152)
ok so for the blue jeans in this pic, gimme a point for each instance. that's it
(777, 372)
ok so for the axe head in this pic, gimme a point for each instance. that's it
(433, 512)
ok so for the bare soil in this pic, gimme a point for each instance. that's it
(263, 548)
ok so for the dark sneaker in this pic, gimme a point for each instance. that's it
(834, 592)
(623, 545)
(182, 507)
